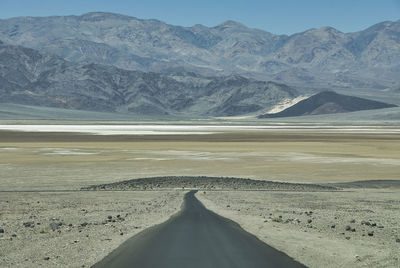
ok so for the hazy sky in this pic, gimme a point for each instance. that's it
(279, 16)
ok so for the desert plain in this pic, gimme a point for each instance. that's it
(46, 219)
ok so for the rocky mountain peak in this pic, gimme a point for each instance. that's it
(102, 16)
(230, 24)
(329, 29)
(325, 32)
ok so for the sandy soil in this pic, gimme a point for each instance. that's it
(311, 226)
(86, 233)
(71, 161)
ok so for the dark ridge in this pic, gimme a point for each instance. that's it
(206, 183)
(373, 184)
(329, 102)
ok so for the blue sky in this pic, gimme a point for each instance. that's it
(279, 16)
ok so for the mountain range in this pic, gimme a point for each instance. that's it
(31, 78)
(318, 58)
(113, 63)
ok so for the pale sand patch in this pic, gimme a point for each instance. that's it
(321, 245)
(285, 103)
(76, 245)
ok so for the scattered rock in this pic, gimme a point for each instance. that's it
(84, 224)
(309, 220)
(55, 225)
(46, 258)
(109, 217)
(333, 226)
(348, 237)
(397, 240)
(1, 231)
(373, 224)
(29, 224)
(348, 228)
(353, 221)
(380, 227)
(121, 233)
(371, 233)
(14, 235)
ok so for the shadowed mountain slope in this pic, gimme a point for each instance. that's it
(29, 77)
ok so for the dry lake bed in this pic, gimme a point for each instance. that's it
(46, 219)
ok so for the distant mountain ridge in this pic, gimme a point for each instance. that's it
(322, 57)
(329, 102)
(29, 77)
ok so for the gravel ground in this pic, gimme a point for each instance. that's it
(75, 229)
(357, 228)
(318, 226)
